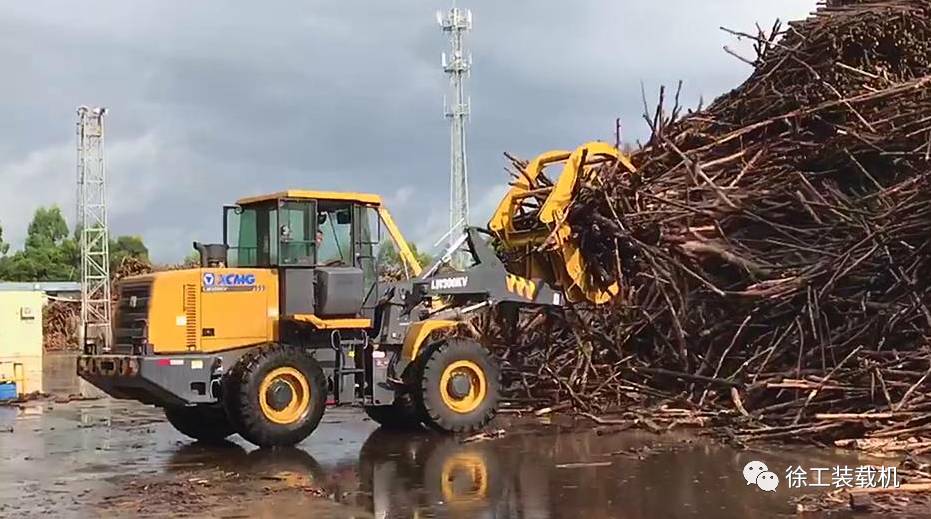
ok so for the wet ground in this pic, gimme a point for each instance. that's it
(120, 459)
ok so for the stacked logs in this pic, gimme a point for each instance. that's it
(60, 321)
(774, 249)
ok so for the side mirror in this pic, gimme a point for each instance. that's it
(343, 217)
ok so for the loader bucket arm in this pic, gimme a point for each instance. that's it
(404, 251)
(530, 222)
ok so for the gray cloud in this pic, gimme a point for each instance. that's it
(212, 100)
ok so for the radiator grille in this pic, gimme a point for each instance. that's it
(132, 314)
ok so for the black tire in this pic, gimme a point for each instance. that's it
(255, 419)
(203, 423)
(433, 409)
(400, 416)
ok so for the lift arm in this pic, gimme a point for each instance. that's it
(404, 250)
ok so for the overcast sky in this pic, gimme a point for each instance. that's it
(213, 100)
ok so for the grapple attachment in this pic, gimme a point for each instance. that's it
(530, 222)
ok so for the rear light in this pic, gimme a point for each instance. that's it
(130, 367)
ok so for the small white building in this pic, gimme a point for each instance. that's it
(21, 346)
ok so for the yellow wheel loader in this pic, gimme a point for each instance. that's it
(288, 316)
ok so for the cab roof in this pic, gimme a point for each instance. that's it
(314, 195)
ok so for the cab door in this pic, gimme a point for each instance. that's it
(367, 235)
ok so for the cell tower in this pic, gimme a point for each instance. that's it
(456, 22)
(93, 225)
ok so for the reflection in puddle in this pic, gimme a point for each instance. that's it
(123, 458)
(403, 475)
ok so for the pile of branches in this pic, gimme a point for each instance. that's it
(130, 266)
(773, 249)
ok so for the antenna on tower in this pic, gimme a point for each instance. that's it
(93, 227)
(457, 64)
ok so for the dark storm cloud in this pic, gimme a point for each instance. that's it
(211, 100)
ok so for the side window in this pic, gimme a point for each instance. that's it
(266, 225)
(241, 236)
(334, 234)
(296, 234)
(250, 235)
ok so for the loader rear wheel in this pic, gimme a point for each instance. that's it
(203, 423)
(459, 386)
(275, 396)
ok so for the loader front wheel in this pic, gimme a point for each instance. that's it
(459, 386)
(203, 423)
(276, 396)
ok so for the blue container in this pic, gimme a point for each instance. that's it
(8, 391)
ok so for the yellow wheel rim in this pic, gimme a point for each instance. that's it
(478, 386)
(289, 379)
(465, 478)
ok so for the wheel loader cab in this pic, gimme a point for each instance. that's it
(320, 246)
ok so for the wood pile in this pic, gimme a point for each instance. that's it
(60, 322)
(774, 249)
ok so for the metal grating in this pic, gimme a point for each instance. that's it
(190, 315)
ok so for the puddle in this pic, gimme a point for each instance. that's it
(121, 459)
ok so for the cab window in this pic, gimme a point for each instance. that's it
(250, 235)
(296, 232)
(334, 234)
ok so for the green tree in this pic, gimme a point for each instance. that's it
(4, 247)
(48, 254)
(192, 260)
(47, 229)
(125, 247)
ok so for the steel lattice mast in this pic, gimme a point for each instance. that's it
(93, 227)
(456, 22)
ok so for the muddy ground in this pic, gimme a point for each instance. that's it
(120, 459)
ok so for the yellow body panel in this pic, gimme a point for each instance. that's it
(191, 311)
(418, 332)
(332, 324)
(314, 195)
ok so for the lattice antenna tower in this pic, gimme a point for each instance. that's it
(456, 22)
(94, 229)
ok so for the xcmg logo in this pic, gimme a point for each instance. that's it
(224, 282)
